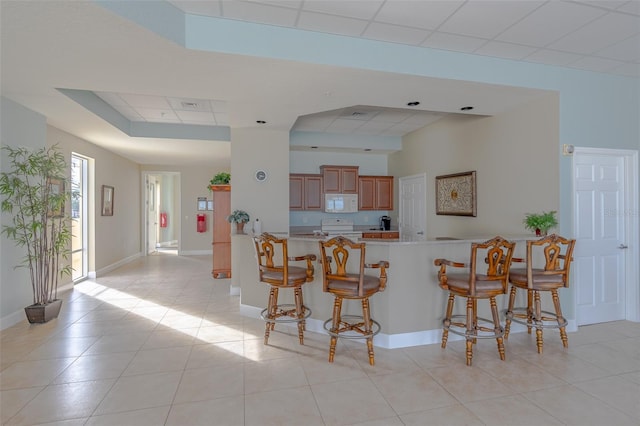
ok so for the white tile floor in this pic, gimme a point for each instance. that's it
(159, 342)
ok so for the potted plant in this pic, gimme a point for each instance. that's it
(222, 178)
(239, 217)
(540, 222)
(33, 192)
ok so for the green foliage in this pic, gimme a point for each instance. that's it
(542, 221)
(33, 192)
(238, 216)
(221, 178)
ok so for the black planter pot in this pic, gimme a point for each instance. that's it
(39, 314)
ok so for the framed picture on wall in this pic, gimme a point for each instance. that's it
(456, 194)
(107, 200)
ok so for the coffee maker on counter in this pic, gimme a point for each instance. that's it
(385, 223)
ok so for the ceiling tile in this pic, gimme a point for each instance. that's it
(505, 50)
(159, 115)
(291, 4)
(261, 13)
(549, 23)
(196, 117)
(487, 19)
(218, 106)
(552, 57)
(343, 125)
(601, 33)
(393, 116)
(629, 70)
(632, 6)
(454, 42)
(350, 8)
(331, 24)
(222, 118)
(424, 118)
(111, 98)
(395, 33)
(145, 101)
(189, 104)
(419, 14)
(625, 50)
(595, 64)
(128, 112)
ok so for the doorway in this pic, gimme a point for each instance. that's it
(161, 212)
(79, 217)
(605, 202)
(413, 206)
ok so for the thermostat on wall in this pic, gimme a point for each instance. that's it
(261, 175)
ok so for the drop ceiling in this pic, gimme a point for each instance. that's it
(47, 46)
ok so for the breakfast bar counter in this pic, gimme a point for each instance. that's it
(409, 311)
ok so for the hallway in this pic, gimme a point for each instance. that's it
(159, 342)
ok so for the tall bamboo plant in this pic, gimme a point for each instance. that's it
(34, 192)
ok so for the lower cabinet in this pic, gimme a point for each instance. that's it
(386, 235)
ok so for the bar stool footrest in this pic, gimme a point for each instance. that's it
(351, 327)
(286, 313)
(549, 319)
(457, 327)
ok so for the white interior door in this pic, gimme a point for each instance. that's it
(152, 214)
(413, 206)
(601, 223)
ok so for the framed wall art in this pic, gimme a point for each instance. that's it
(107, 200)
(456, 194)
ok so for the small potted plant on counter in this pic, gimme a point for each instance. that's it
(540, 223)
(239, 217)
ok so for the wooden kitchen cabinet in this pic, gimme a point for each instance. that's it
(386, 235)
(340, 179)
(221, 196)
(305, 192)
(375, 193)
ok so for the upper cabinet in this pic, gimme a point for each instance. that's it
(305, 192)
(340, 179)
(375, 193)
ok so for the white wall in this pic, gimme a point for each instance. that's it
(18, 127)
(515, 155)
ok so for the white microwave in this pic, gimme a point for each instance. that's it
(341, 203)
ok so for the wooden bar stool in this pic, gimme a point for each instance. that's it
(548, 264)
(476, 283)
(275, 271)
(354, 285)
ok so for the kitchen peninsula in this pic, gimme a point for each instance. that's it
(409, 311)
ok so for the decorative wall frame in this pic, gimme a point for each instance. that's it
(456, 194)
(107, 200)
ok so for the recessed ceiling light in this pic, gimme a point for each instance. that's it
(261, 122)
(413, 103)
(367, 149)
(314, 147)
(466, 108)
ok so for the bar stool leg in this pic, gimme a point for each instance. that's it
(560, 318)
(446, 323)
(470, 330)
(497, 327)
(366, 316)
(509, 314)
(270, 313)
(337, 307)
(299, 314)
(529, 310)
(538, 319)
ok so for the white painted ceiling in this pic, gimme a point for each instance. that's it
(80, 45)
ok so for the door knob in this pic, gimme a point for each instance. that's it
(623, 246)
